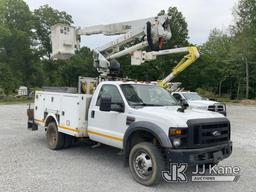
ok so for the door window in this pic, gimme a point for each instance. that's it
(110, 91)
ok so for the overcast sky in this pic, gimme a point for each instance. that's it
(201, 15)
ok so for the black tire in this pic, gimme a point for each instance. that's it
(55, 139)
(68, 141)
(139, 163)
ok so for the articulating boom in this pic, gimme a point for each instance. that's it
(186, 61)
(150, 32)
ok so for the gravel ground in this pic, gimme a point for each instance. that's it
(26, 164)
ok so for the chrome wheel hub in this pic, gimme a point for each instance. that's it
(143, 165)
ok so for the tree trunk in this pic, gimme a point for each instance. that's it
(238, 90)
(247, 79)
(220, 87)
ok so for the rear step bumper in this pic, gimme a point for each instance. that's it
(31, 122)
(32, 125)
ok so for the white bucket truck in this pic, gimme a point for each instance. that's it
(141, 119)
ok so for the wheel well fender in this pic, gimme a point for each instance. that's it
(50, 118)
(148, 127)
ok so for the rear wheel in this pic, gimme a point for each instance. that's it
(55, 139)
(146, 163)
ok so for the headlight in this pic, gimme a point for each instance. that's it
(176, 142)
(225, 107)
(178, 136)
(175, 132)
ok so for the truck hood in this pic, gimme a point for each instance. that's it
(202, 102)
(172, 116)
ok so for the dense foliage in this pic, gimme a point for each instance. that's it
(227, 65)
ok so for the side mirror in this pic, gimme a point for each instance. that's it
(184, 105)
(118, 107)
(105, 104)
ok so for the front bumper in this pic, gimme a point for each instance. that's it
(223, 113)
(206, 155)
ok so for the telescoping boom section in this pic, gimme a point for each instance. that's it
(149, 32)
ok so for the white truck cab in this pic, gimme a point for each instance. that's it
(197, 102)
(142, 119)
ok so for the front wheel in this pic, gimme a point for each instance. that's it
(146, 163)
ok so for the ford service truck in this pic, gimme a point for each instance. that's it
(143, 120)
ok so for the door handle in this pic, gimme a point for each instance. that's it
(92, 114)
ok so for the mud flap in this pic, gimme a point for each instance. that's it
(31, 122)
(32, 126)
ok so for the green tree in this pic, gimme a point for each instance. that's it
(65, 73)
(218, 47)
(79, 65)
(16, 24)
(179, 28)
(7, 81)
(15, 15)
(21, 63)
(244, 49)
(227, 61)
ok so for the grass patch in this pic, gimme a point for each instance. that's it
(13, 100)
(212, 96)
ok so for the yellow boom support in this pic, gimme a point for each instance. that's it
(186, 61)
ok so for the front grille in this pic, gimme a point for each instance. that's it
(220, 108)
(217, 108)
(211, 108)
(208, 132)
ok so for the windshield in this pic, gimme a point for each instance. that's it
(147, 95)
(192, 96)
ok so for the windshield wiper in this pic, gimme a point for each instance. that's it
(145, 104)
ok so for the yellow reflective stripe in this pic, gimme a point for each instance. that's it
(39, 121)
(60, 126)
(68, 128)
(106, 136)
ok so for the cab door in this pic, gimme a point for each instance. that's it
(107, 127)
